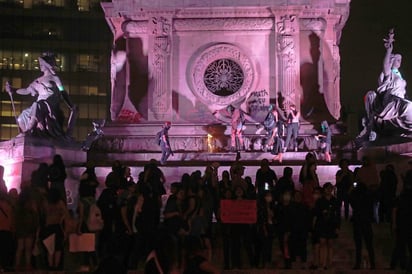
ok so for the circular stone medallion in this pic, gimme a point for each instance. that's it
(221, 74)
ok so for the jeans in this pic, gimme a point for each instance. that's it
(166, 151)
(292, 130)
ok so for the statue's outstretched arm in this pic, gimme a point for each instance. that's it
(387, 66)
(26, 91)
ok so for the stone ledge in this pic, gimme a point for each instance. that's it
(387, 152)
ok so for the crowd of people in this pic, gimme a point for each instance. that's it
(133, 229)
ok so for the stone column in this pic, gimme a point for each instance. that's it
(288, 56)
(160, 94)
(332, 63)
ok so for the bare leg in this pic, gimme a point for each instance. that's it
(28, 246)
(57, 257)
(328, 158)
(323, 252)
(316, 254)
(233, 138)
(240, 138)
(50, 259)
(330, 252)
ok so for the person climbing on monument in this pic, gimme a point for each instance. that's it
(44, 116)
(164, 142)
(388, 111)
(273, 124)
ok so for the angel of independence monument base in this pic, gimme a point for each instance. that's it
(186, 61)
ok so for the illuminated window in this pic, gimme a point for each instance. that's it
(26, 60)
(8, 130)
(87, 62)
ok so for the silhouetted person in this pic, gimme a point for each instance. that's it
(362, 217)
(265, 178)
(6, 233)
(326, 224)
(265, 229)
(344, 181)
(389, 183)
(301, 225)
(402, 225)
(57, 175)
(285, 183)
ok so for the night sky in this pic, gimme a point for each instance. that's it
(362, 49)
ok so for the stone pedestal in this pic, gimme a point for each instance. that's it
(401, 152)
(22, 155)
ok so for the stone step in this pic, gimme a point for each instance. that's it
(196, 158)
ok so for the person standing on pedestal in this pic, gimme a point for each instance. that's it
(164, 143)
(237, 122)
(292, 128)
(326, 141)
(273, 126)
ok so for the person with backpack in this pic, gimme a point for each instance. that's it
(162, 139)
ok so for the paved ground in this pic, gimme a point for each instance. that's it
(343, 259)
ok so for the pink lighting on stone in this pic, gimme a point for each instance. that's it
(290, 51)
(11, 176)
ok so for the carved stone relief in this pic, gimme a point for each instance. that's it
(159, 58)
(287, 28)
(221, 65)
(107, 144)
(220, 24)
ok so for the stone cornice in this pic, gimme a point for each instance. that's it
(131, 27)
(220, 24)
(216, 12)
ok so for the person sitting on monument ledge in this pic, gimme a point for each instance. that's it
(387, 109)
(44, 116)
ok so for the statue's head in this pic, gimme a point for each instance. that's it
(47, 61)
(396, 61)
(271, 107)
